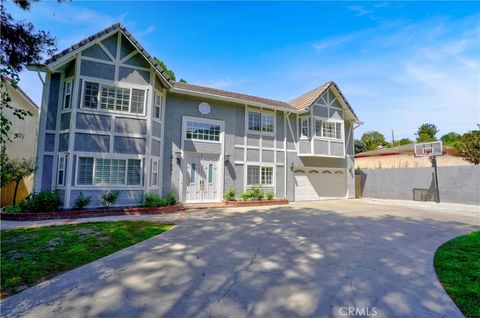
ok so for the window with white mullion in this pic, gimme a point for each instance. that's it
(90, 95)
(259, 175)
(261, 122)
(134, 176)
(85, 171)
(67, 94)
(138, 101)
(154, 174)
(61, 170)
(305, 127)
(157, 107)
(328, 129)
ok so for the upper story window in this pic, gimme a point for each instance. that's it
(67, 94)
(304, 127)
(202, 131)
(328, 129)
(260, 122)
(113, 98)
(157, 107)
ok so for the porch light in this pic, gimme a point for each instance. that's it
(178, 156)
(227, 159)
(291, 166)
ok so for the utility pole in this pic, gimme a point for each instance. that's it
(393, 139)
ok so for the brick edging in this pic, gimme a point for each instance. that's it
(131, 211)
(88, 213)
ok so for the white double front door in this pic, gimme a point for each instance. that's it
(201, 174)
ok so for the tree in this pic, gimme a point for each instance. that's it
(16, 170)
(164, 67)
(451, 139)
(182, 81)
(373, 139)
(20, 45)
(469, 147)
(426, 132)
(401, 142)
(359, 146)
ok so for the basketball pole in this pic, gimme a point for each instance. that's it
(433, 159)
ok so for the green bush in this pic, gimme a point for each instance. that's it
(40, 202)
(230, 195)
(12, 209)
(153, 200)
(270, 195)
(82, 201)
(255, 193)
(109, 198)
(170, 199)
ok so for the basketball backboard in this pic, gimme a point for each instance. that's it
(429, 149)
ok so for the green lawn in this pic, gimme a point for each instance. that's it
(32, 255)
(457, 264)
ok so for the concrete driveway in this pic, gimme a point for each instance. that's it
(316, 259)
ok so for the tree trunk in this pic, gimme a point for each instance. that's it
(17, 183)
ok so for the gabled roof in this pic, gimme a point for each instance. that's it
(111, 30)
(299, 104)
(305, 101)
(260, 101)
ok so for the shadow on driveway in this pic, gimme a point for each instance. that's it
(289, 261)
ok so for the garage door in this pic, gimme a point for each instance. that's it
(319, 183)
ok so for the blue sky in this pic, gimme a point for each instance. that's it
(399, 64)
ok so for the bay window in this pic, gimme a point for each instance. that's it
(304, 127)
(328, 129)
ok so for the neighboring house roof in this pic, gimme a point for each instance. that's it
(112, 29)
(22, 92)
(236, 96)
(306, 100)
(399, 150)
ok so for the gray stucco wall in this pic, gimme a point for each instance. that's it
(457, 184)
(93, 122)
(53, 96)
(91, 143)
(126, 198)
(47, 173)
(179, 105)
(98, 70)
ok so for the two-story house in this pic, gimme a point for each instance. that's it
(113, 120)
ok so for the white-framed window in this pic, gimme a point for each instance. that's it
(113, 98)
(328, 129)
(259, 175)
(203, 131)
(261, 122)
(100, 171)
(85, 171)
(154, 174)
(304, 127)
(157, 106)
(67, 94)
(61, 171)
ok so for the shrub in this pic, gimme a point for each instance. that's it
(40, 202)
(270, 195)
(255, 193)
(82, 201)
(109, 198)
(230, 195)
(12, 209)
(170, 199)
(153, 200)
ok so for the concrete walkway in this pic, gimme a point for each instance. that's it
(313, 259)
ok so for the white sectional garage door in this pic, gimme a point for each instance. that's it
(319, 183)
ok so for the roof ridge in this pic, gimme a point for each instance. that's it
(232, 92)
(312, 90)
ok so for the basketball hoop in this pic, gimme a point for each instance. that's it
(431, 150)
